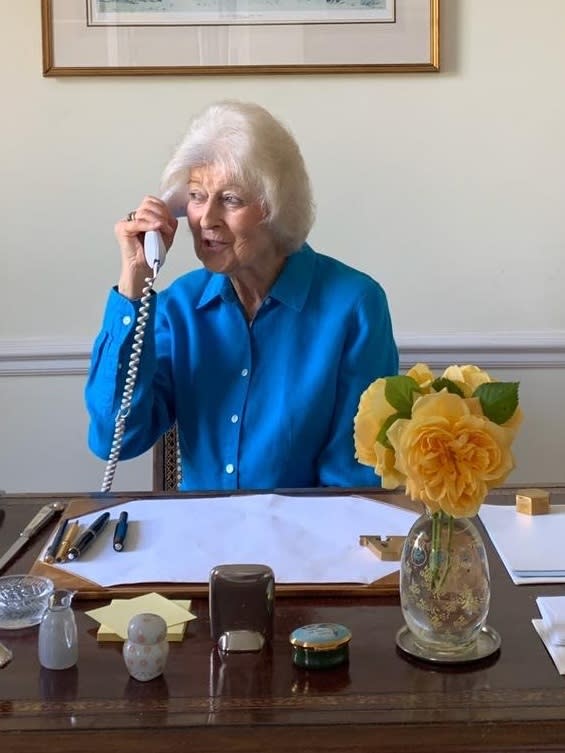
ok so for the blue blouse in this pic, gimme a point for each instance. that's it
(258, 406)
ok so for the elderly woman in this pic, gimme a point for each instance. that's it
(260, 356)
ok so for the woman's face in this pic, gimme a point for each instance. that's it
(226, 223)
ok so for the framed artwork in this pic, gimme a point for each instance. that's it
(164, 37)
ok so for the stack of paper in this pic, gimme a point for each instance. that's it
(115, 617)
(551, 628)
(531, 546)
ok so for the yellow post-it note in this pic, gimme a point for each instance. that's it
(117, 615)
(175, 633)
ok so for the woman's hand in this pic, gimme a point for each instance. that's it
(152, 214)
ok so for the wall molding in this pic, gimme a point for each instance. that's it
(49, 356)
(44, 356)
(495, 350)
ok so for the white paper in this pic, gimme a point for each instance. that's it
(557, 653)
(303, 539)
(530, 546)
(552, 610)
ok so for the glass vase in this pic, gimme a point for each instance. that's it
(444, 586)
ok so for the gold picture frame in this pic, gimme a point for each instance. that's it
(175, 37)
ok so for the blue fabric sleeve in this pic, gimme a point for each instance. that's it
(150, 413)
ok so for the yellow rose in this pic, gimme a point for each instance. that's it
(372, 412)
(386, 468)
(450, 455)
(422, 374)
(474, 405)
(467, 377)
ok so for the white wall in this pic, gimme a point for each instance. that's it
(447, 187)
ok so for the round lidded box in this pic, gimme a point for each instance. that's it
(320, 646)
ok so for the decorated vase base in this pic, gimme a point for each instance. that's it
(487, 643)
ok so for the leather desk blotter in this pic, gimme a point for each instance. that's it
(89, 589)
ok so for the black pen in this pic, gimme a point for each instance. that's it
(86, 538)
(120, 532)
(53, 548)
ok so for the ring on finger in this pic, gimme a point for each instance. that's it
(131, 216)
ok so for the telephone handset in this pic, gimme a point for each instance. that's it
(153, 245)
(155, 255)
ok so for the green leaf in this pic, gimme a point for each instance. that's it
(399, 392)
(446, 384)
(381, 436)
(499, 400)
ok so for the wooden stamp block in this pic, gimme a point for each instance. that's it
(532, 501)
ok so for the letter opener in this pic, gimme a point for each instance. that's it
(35, 525)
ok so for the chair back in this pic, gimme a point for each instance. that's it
(166, 462)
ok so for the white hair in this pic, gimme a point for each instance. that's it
(258, 152)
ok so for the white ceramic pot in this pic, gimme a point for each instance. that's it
(146, 649)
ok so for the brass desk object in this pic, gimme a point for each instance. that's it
(387, 548)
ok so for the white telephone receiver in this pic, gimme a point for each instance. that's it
(155, 255)
(153, 245)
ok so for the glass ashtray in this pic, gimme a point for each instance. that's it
(23, 600)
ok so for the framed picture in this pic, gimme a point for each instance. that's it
(148, 37)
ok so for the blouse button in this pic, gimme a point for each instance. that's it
(126, 319)
(229, 468)
(244, 372)
(234, 418)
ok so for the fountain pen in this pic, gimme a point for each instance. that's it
(86, 538)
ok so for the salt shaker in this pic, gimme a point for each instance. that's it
(58, 641)
(146, 649)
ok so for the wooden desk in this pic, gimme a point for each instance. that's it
(261, 703)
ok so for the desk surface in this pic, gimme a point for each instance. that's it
(262, 703)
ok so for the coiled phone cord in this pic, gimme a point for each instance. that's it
(131, 378)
